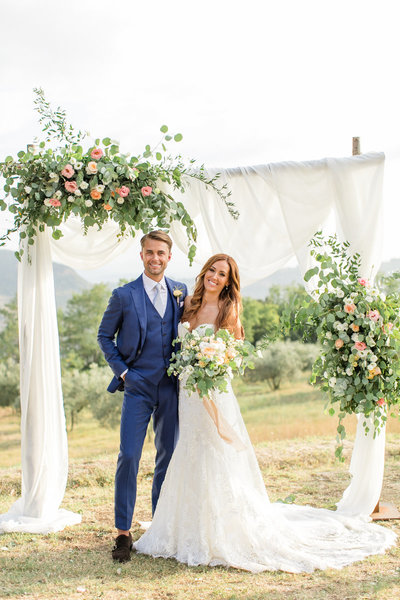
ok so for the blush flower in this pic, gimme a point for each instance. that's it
(96, 153)
(54, 202)
(360, 346)
(123, 191)
(68, 171)
(146, 190)
(354, 327)
(71, 186)
(338, 343)
(95, 194)
(381, 402)
(349, 308)
(363, 281)
(373, 315)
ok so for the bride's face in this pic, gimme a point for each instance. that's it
(217, 277)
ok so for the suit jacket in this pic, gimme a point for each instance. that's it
(122, 330)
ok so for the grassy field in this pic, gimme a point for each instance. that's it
(294, 443)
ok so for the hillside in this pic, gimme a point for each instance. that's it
(66, 280)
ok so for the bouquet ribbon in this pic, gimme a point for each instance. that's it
(225, 431)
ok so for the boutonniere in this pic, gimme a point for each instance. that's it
(177, 292)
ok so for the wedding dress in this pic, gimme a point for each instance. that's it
(214, 509)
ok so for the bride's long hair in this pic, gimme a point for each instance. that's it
(230, 303)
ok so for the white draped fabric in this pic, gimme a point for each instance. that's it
(281, 206)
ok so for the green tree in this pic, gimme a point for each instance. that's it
(288, 299)
(280, 361)
(78, 326)
(9, 383)
(259, 319)
(9, 343)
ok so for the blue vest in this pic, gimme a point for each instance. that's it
(154, 358)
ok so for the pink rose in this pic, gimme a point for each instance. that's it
(373, 315)
(71, 186)
(360, 346)
(146, 190)
(363, 281)
(338, 343)
(381, 402)
(54, 202)
(349, 308)
(68, 171)
(96, 153)
(124, 191)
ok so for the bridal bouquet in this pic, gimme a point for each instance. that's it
(358, 327)
(206, 361)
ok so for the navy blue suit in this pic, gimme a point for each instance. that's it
(133, 336)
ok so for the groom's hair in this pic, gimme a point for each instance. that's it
(159, 235)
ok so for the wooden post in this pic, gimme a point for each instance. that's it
(356, 146)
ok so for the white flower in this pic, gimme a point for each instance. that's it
(354, 337)
(120, 200)
(72, 161)
(71, 199)
(349, 371)
(332, 382)
(47, 202)
(84, 185)
(27, 189)
(58, 194)
(78, 193)
(100, 188)
(186, 325)
(88, 203)
(78, 165)
(54, 177)
(340, 293)
(157, 191)
(328, 335)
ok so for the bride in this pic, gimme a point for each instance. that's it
(213, 507)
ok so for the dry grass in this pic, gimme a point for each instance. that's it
(54, 566)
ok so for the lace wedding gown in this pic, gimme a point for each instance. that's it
(214, 509)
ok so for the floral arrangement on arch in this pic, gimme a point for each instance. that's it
(45, 185)
(358, 327)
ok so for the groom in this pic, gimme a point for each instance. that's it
(144, 316)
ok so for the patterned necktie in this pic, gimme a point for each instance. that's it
(157, 300)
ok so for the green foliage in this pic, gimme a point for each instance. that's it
(259, 319)
(289, 299)
(9, 383)
(359, 330)
(44, 186)
(78, 326)
(88, 389)
(279, 362)
(9, 342)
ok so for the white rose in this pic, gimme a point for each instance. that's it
(78, 165)
(47, 202)
(186, 325)
(58, 194)
(328, 335)
(349, 371)
(72, 161)
(71, 199)
(332, 382)
(78, 193)
(84, 185)
(100, 188)
(27, 189)
(120, 200)
(354, 337)
(88, 203)
(91, 168)
(340, 293)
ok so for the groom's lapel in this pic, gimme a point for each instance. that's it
(137, 292)
(175, 306)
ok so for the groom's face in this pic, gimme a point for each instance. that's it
(155, 256)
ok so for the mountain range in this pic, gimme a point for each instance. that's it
(67, 282)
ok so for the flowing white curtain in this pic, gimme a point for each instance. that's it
(281, 206)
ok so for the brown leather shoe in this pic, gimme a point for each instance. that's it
(122, 548)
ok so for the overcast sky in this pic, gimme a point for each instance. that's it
(244, 82)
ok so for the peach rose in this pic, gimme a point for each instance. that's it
(91, 168)
(96, 153)
(349, 308)
(360, 346)
(381, 402)
(146, 190)
(68, 171)
(107, 207)
(338, 343)
(354, 327)
(54, 202)
(71, 186)
(95, 195)
(373, 315)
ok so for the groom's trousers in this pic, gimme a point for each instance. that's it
(142, 399)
